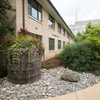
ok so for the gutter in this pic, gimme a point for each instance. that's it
(60, 16)
(23, 14)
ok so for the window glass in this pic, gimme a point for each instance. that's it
(63, 32)
(51, 22)
(63, 44)
(51, 44)
(36, 36)
(39, 12)
(59, 44)
(34, 13)
(59, 28)
(35, 9)
(29, 7)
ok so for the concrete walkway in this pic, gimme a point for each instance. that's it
(92, 93)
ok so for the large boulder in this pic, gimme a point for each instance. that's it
(70, 75)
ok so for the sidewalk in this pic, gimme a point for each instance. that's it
(92, 93)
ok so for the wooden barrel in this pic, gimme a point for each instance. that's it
(28, 70)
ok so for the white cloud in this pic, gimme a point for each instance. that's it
(86, 9)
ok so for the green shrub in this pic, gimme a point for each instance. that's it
(80, 57)
(59, 55)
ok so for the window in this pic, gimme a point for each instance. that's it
(63, 44)
(35, 9)
(68, 36)
(63, 32)
(51, 44)
(51, 22)
(59, 44)
(36, 36)
(59, 28)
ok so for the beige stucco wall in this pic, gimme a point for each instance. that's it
(40, 28)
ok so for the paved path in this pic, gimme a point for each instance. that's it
(92, 93)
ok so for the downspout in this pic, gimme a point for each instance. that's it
(23, 13)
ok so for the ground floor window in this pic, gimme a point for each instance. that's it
(51, 43)
(36, 36)
(59, 44)
(63, 44)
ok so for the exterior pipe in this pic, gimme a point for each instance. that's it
(23, 13)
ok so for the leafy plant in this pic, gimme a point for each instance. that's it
(4, 7)
(23, 32)
(80, 57)
(92, 36)
(97, 73)
(17, 46)
(59, 55)
(6, 42)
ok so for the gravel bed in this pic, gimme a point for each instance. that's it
(50, 85)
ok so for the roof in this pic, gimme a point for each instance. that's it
(59, 15)
(49, 7)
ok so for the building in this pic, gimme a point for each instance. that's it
(41, 18)
(80, 26)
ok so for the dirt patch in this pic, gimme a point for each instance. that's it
(52, 63)
(96, 72)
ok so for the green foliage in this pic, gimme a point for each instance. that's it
(4, 7)
(80, 57)
(7, 41)
(88, 28)
(92, 36)
(79, 37)
(84, 54)
(15, 47)
(59, 55)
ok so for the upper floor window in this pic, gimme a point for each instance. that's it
(68, 36)
(63, 32)
(51, 22)
(51, 43)
(59, 28)
(59, 44)
(35, 9)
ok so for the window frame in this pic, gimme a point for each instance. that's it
(51, 46)
(51, 22)
(59, 44)
(38, 8)
(36, 36)
(59, 28)
(63, 32)
(63, 44)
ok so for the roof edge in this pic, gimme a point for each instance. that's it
(60, 16)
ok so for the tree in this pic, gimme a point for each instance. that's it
(93, 35)
(78, 37)
(4, 6)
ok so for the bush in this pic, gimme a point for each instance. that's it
(59, 55)
(80, 57)
(7, 41)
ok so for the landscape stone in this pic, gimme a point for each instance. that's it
(71, 76)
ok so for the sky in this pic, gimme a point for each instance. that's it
(85, 9)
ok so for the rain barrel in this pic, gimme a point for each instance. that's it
(24, 68)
